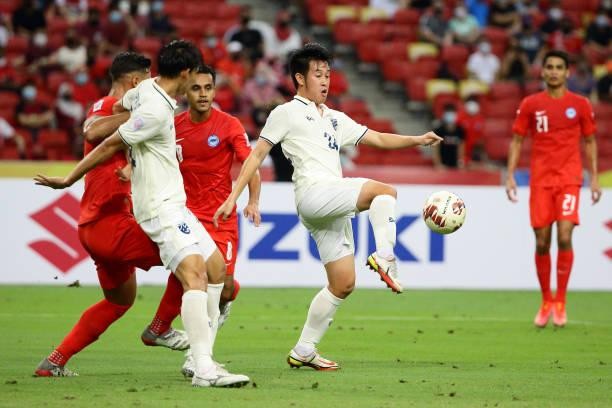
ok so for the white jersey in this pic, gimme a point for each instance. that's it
(150, 135)
(311, 141)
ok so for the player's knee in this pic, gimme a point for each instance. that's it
(542, 247)
(342, 289)
(565, 241)
(389, 190)
(192, 278)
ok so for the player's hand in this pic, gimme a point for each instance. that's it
(56, 183)
(224, 211)
(511, 189)
(429, 139)
(251, 211)
(124, 174)
(595, 191)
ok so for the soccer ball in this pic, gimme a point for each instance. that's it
(444, 212)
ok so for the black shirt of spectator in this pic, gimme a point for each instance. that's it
(454, 136)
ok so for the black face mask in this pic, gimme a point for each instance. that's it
(67, 97)
(283, 24)
(245, 20)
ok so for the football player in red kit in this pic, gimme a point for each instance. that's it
(109, 232)
(558, 121)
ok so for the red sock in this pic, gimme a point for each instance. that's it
(236, 290)
(93, 322)
(565, 259)
(169, 306)
(543, 269)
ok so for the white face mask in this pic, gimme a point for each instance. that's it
(40, 39)
(555, 13)
(472, 108)
(143, 8)
(124, 6)
(29, 93)
(460, 12)
(601, 20)
(484, 48)
(449, 117)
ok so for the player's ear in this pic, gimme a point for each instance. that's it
(300, 79)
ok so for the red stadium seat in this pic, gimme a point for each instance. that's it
(226, 11)
(367, 51)
(317, 14)
(579, 5)
(55, 79)
(380, 125)
(443, 99)
(57, 25)
(397, 70)
(338, 83)
(17, 45)
(55, 143)
(8, 100)
(8, 6)
(455, 56)
(354, 107)
(504, 90)
(406, 16)
(147, 45)
(415, 89)
(393, 50)
(501, 108)
(602, 111)
(400, 32)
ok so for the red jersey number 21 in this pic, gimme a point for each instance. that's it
(569, 204)
(541, 122)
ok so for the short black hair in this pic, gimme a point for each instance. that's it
(178, 56)
(207, 69)
(299, 60)
(127, 62)
(556, 53)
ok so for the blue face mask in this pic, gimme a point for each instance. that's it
(29, 93)
(261, 80)
(449, 117)
(115, 16)
(81, 78)
(157, 6)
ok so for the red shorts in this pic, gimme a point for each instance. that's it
(118, 246)
(227, 242)
(548, 204)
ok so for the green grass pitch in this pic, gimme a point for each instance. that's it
(421, 348)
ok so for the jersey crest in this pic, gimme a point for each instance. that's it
(213, 140)
(570, 113)
(184, 228)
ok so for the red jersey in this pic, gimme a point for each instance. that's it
(206, 151)
(104, 192)
(556, 125)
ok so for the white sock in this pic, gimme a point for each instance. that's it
(320, 316)
(382, 218)
(195, 321)
(214, 296)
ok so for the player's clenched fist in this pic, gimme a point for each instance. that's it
(430, 139)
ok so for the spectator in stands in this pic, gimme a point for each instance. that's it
(566, 38)
(598, 35)
(582, 81)
(483, 64)
(449, 153)
(527, 8)
(5, 31)
(91, 29)
(286, 38)
(7, 132)
(69, 113)
(260, 94)
(463, 27)
(234, 65)
(433, 27)
(159, 22)
(32, 114)
(531, 41)
(7, 72)
(553, 20)
(71, 56)
(604, 85)
(117, 28)
(28, 17)
(472, 121)
(250, 38)
(212, 49)
(503, 14)
(38, 47)
(265, 30)
(515, 64)
(480, 10)
(84, 89)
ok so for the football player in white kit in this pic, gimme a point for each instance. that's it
(311, 135)
(159, 202)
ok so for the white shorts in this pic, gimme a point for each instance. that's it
(326, 209)
(178, 233)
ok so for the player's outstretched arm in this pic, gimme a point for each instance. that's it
(249, 167)
(393, 141)
(103, 126)
(101, 153)
(590, 150)
(513, 157)
(251, 211)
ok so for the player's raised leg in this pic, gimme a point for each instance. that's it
(542, 262)
(380, 200)
(93, 322)
(565, 260)
(341, 278)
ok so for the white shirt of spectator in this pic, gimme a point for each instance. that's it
(150, 135)
(72, 59)
(6, 130)
(483, 66)
(311, 141)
